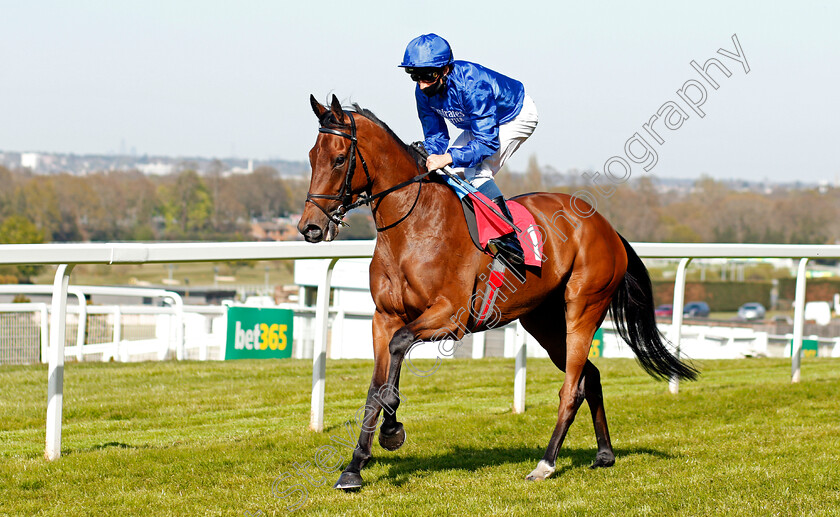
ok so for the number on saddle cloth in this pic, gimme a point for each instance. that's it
(485, 225)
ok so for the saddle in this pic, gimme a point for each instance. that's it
(484, 225)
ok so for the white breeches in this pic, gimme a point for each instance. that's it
(511, 136)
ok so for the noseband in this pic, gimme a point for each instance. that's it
(345, 195)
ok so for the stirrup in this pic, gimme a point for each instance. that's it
(508, 246)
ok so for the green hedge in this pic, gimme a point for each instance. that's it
(816, 289)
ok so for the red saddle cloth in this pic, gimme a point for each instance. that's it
(491, 226)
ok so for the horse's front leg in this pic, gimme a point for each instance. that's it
(384, 327)
(433, 322)
(391, 433)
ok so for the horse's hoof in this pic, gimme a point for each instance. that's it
(349, 481)
(543, 471)
(605, 459)
(393, 441)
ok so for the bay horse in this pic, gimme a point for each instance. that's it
(425, 268)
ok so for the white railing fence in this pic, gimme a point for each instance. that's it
(130, 333)
(66, 256)
(24, 331)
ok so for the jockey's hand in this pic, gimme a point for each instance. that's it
(438, 161)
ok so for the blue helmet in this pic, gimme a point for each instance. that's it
(427, 51)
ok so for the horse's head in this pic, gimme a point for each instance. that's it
(335, 182)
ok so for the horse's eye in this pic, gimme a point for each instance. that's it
(339, 161)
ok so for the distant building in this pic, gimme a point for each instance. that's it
(241, 170)
(279, 229)
(156, 168)
(29, 161)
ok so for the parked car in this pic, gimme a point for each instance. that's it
(751, 311)
(696, 310)
(665, 311)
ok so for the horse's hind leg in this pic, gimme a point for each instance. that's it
(582, 380)
(595, 398)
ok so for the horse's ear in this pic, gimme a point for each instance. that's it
(337, 110)
(317, 107)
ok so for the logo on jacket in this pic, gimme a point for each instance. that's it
(456, 117)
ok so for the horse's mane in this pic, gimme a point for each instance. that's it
(421, 161)
(373, 118)
(328, 120)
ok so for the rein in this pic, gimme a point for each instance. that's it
(345, 195)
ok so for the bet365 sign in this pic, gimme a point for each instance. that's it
(597, 348)
(257, 333)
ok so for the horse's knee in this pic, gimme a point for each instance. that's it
(389, 398)
(580, 395)
(592, 372)
(401, 341)
(573, 399)
(360, 459)
(592, 383)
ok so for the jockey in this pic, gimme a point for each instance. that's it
(493, 111)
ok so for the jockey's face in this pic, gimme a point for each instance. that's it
(426, 77)
(424, 84)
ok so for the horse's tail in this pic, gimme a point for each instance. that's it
(633, 313)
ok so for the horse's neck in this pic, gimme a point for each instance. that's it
(434, 209)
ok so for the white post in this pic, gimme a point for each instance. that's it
(181, 350)
(45, 334)
(202, 350)
(223, 351)
(479, 339)
(80, 328)
(120, 354)
(336, 343)
(677, 317)
(55, 386)
(520, 366)
(510, 341)
(798, 321)
(319, 349)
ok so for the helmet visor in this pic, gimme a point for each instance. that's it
(426, 75)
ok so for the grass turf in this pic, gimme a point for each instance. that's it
(210, 438)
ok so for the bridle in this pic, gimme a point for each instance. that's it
(345, 195)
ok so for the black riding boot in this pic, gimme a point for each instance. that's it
(508, 244)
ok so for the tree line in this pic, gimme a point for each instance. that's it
(129, 206)
(708, 211)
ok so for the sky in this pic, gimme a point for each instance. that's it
(222, 78)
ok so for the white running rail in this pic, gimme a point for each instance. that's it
(66, 256)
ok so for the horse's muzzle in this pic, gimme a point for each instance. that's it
(312, 233)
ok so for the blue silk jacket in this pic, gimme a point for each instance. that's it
(476, 99)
